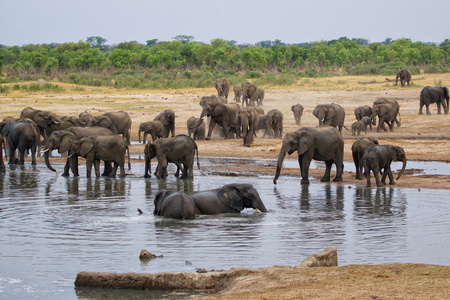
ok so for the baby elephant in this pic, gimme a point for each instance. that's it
(377, 157)
(174, 205)
(357, 127)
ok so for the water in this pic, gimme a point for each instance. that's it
(53, 227)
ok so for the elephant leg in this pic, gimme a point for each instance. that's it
(22, 157)
(304, 163)
(121, 165)
(391, 177)
(89, 163)
(97, 167)
(326, 176)
(12, 153)
(367, 171)
(211, 126)
(427, 106)
(108, 169)
(161, 170)
(339, 171)
(147, 168)
(438, 108)
(376, 172)
(66, 168)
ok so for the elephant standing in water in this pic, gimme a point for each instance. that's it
(22, 136)
(222, 87)
(246, 124)
(167, 118)
(297, 109)
(231, 198)
(438, 95)
(319, 143)
(404, 75)
(330, 115)
(174, 205)
(377, 157)
(118, 122)
(358, 149)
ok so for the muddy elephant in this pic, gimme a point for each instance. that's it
(118, 122)
(222, 87)
(330, 115)
(237, 93)
(109, 148)
(378, 157)
(21, 136)
(358, 149)
(154, 128)
(357, 127)
(363, 111)
(167, 118)
(297, 109)
(319, 143)
(438, 95)
(231, 198)
(387, 111)
(221, 114)
(275, 121)
(260, 97)
(180, 149)
(46, 121)
(174, 205)
(197, 133)
(62, 140)
(249, 94)
(246, 124)
(404, 75)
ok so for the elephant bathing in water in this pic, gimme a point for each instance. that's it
(377, 157)
(319, 143)
(358, 149)
(174, 205)
(438, 95)
(22, 136)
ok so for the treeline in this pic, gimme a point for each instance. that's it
(94, 63)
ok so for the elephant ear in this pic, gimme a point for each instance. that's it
(446, 96)
(104, 122)
(394, 151)
(305, 141)
(86, 145)
(66, 142)
(159, 198)
(4, 128)
(231, 196)
(40, 120)
(331, 112)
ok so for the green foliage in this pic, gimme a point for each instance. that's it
(4, 89)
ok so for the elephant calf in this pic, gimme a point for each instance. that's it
(357, 127)
(358, 149)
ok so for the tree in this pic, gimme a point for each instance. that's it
(217, 43)
(387, 41)
(232, 43)
(151, 42)
(445, 43)
(184, 39)
(264, 44)
(97, 42)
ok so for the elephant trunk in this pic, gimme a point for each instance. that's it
(403, 168)
(279, 164)
(139, 134)
(200, 121)
(47, 160)
(259, 205)
(244, 129)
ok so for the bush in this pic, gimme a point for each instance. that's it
(4, 89)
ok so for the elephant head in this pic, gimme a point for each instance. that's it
(61, 140)
(85, 117)
(243, 122)
(102, 121)
(145, 127)
(324, 112)
(240, 196)
(398, 154)
(82, 146)
(46, 119)
(300, 141)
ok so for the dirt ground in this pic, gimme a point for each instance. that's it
(424, 138)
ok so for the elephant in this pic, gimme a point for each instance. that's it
(154, 128)
(62, 140)
(85, 117)
(263, 124)
(367, 122)
(297, 109)
(387, 111)
(180, 149)
(220, 113)
(246, 124)
(45, 121)
(22, 136)
(109, 148)
(118, 122)
(330, 115)
(275, 121)
(363, 111)
(174, 205)
(377, 157)
(260, 97)
(69, 121)
(231, 198)
(404, 75)
(237, 93)
(438, 95)
(357, 127)
(358, 148)
(197, 133)
(167, 118)
(319, 143)
(222, 87)
(249, 93)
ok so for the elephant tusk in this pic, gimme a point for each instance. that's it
(258, 210)
(43, 151)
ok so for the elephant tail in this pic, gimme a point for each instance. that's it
(128, 152)
(196, 149)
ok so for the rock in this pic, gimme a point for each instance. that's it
(325, 258)
(147, 255)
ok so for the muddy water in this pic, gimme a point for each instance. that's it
(53, 227)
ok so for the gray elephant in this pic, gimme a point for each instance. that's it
(197, 133)
(319, 143)
(275, 121)
(404, 75)
(118, 122)
(231, 198)
(46, 121)
(85, 117)
(378, 157)
(109, 148)
(388, 111)
(357, 127)
(237, 93)
(167, 118)
(67, 122)
(62, 140)
(358, 149)
(263, 124)
(297, 109)
(438, 95)
(363, 111)
(246, 124)
(154, 128)
(330, 115)
(222, 87)
(260, 97)
(180, 149)
(174, 205)
(21, 136)
(367, 122)
(249, 94)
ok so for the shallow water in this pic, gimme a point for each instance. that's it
(53, 227)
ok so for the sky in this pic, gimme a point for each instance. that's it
(247, 22)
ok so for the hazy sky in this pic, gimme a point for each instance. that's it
(46, 21)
